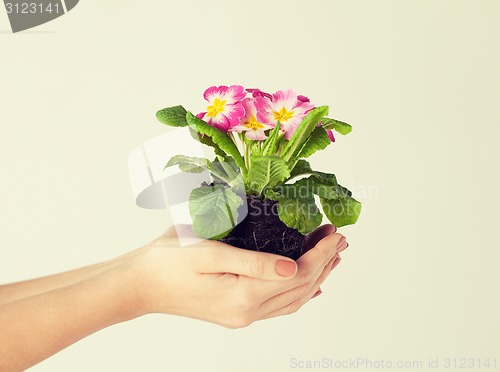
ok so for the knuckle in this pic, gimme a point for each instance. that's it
(303, 291)
(243, 308)
(329, 244)
(293, 308)
(300, 292)
(303, 277)
(241, 321)
(326, 272)
(244, 301)
(339, 237)
(255, 266)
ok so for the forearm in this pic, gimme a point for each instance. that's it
(16, 291)
(36, 327)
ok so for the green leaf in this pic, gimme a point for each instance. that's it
(317, 141)
(219, 137)
(303, 132)
(214, 210)
(206, 140)
(266, 171)
(302, 167)
(173, 116)
(254, 146)
(189, 164)
(337, 201)
(325, 188)
(336, 125)
(231, 173)
(344, 192)
(198, 165)
(299, 213)
(319, 183)
(342, 211)
(270, 145)
(325, 185)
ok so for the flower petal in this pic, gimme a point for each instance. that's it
(330, 135)
(285, 98)
(250, 110)
(290, 126)
(258, 135)
(219, 121)
(235, 93)
(239, 128)
(303, 108)
(214, 92)
(265, 108)
(233, 114)
(259, 93)
(266, 117)
(263, 104)
(232, 94)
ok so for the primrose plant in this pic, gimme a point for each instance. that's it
(260, 141)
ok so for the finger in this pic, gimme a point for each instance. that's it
(345, 247)
(284, 299)
(335, 263)
(314, 237)
(310, 266)
(222, 258)
(293, 306)
(316, 258)
(318, 292)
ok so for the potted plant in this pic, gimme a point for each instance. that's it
(262, 195)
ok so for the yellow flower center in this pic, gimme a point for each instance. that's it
(216, 108)
(253, 124)
(283, 115)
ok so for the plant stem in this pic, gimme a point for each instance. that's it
(227, 168)
(247, 156)
(232, 138)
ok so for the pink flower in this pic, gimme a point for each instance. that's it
(285, 107)
(225, 109)
(330, 135)
(253, 128)
(303, 99)
(259, 93)
(328, 131)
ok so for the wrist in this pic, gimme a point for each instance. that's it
(139, 282)
(129, 291)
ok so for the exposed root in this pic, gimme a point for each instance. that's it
(262, 230)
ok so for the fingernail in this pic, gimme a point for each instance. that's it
(317, 293)
(286, 268)
(341, 241)
(335, 263)
(343, 247)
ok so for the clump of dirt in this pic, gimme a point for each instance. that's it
(263, 231)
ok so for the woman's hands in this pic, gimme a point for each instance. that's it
(229, 286)
(208, 280)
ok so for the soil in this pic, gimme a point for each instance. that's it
(263, 231)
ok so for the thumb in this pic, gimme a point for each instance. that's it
(223, 258)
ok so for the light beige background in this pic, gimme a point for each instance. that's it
(418, 80)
